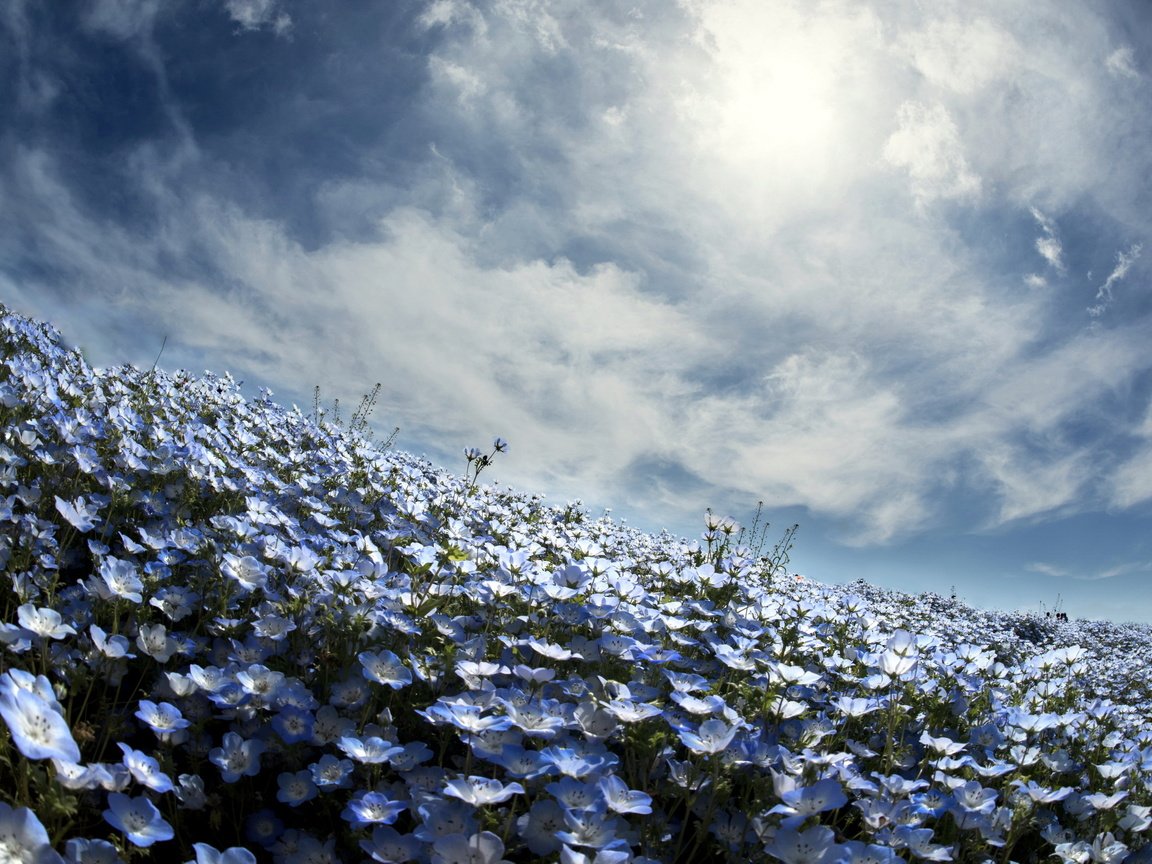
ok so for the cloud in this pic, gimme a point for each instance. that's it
(1045, 569)
(257, 14)
(1124, 262)
(675, 253)
(124, 19)
(962, 56)
(927, 145)
(1126, 569)
(1049, 245)
(1122, 63)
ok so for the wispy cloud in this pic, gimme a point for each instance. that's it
(1122, 62)
(257, 14)
(927, 145)
(1049, 245)
(1124, 262)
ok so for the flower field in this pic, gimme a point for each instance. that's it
(233, 633)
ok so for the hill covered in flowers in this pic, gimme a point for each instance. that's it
(232, 633)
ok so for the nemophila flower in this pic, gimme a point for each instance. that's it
(901, 654)
(538, 827)
(855, 852)
(260, 681)
(389, 846)
(821, 797)
(43, 622)
(481, 791)
(330, 725)
(631, 711)
(441, 817)
(81, 850)
(918, 841)
(574, 763)
(412, 754)
(163, 718)
(295, 788)
(190, 791)
(974, 798)
(469, 718)
(1102, 801)
(593, 721)
(621, 799)
(145, 769)
(710, 704)
(206, 854)
(38, 729)
(246, 571)
(372, 808)
(332, 772)
(154, 641)
(568, 855)
(293, 724)
(384, 667)
(176, 602)
(23, 839)
(713, 736)
(537, 719)
(274, 627)
(138, 819)
(236, 757)
(121, 580)
(851, 706)
(592, 828)
(263, 827)
(350, 693)
(482, 848)
(1106, 849)
(371, 750)
(81, 513)
(810, 846)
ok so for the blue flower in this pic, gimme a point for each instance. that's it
(332, 772)
(713, 736)
(80, 850)
(121, 580)
(206, 854)
(480, 791)
(38, 728)
(384, 667)
(482, 848)
(389, 846)
(295, 788)
(145, 769)
(138, 819)
(23, 839)
(236, 757)
(164, 718)
(372, 808)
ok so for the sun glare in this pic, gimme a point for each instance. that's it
(778, 104)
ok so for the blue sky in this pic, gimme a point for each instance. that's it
(880, 265)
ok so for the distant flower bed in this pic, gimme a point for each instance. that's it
(233, 633)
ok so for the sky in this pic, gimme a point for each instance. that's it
(883, 266)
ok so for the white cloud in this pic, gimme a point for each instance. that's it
(1125, 569)
(256, 14)
(1046, 569)
(122, 18)
(1122, 63)
(1049, 245)
(928, 146)
(962, 56)
(1124, 262)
